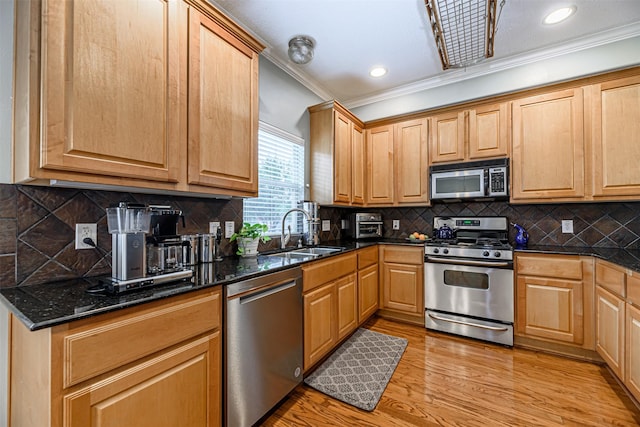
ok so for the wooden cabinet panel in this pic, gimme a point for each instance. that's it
(615, 132)
(633, 288)
(110, 103)
(548, 147)
(447, 137)
(347, 292)
(556, 266)
(610, 329)
(380, 178)
(321, 272)
(403, 287)
(550, 308)
(402, 254)
(320, 327)
(342, 158)
(367, 292)
(411, 162)
(489, 131)
(222, 117)
(358, 169)
(632, 354)
(175, 388)
(367, 256)
(611, 277)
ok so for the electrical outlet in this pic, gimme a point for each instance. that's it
(213, 227)
(326, 225)
(229, 229)
(83, 231)
(567, 226)
(396, 224)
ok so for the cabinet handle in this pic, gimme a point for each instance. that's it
(476, 325)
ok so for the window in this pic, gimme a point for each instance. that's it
(281, 180)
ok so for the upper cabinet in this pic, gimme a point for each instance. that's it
(380, 176)
(471, 134)
(548, 150)
(337, 155)
(615, 137)
(103, 93)
(222, 108)
(411, 162)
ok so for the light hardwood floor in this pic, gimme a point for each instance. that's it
(443, 380)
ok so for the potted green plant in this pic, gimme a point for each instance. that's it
(248, 238)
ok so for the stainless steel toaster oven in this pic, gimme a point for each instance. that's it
(364, 225)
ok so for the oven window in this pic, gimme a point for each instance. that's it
(458, 184)
(465, 279)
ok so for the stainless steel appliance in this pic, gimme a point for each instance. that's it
(469, 287)
(128, 225)
(311, 228)
(471, 180)
(263, 336)
(363, 225)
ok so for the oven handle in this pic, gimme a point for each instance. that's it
(476, 325)
(458, 261)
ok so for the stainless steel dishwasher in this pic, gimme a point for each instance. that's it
(263, 350)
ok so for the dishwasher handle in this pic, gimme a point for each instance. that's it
(265, 292)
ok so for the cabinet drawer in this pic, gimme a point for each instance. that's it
(633, 289)
(403, 254)
(611, 277)
(556, 266)
(319, 272)
(99, 346)
(367, 257)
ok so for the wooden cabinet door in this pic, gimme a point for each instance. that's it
(411, 162)
(548, 147)
(403, 287)
(347, 291)
(615, 135)
(610, 334)
(489, 131)
(358, 170)
(178, 387)
(632, 351)
(367, 292)
(320, 330)
(550, 308)
(222, 108)
(447, 137)
(342, 158)
(110, 92)
(380, 177)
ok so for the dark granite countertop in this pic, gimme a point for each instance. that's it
(627, 258)
(49, 304)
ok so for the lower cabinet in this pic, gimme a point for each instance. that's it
(330, 299)
(632, 353)
(402, 282)
(153, 365)
(367, 283)
(610, 322)
(554, 299)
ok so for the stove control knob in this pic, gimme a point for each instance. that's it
(445, 251)
(436, 250)
(485, 253)
(496, 254)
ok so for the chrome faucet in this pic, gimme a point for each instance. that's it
(284, 239)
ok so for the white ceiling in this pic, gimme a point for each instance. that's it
(352, 36)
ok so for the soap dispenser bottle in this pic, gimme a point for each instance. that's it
(522, 238)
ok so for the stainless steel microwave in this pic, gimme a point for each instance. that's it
(471, 180)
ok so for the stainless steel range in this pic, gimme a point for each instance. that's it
(469, 287)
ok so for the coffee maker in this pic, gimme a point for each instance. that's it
(164, 245)
(129, 225)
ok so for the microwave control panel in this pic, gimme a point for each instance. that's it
(497, 181)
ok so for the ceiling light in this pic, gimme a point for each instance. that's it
(559, 15)
(301, 49)
(464, 30)
(378, 72)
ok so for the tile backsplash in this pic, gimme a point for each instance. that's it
(38, 226)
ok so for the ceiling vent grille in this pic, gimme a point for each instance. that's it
(464, 30)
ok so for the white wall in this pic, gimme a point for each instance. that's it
(612, 56)
(6, 84)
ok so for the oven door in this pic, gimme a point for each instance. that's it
(478, 290)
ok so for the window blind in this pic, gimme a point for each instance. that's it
(280, 180)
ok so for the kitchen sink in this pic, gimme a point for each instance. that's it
(302, 253)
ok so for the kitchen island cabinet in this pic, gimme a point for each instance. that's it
(155, 365)
(554, 301)
(402, 283)
(105, 89)
(471, 134)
